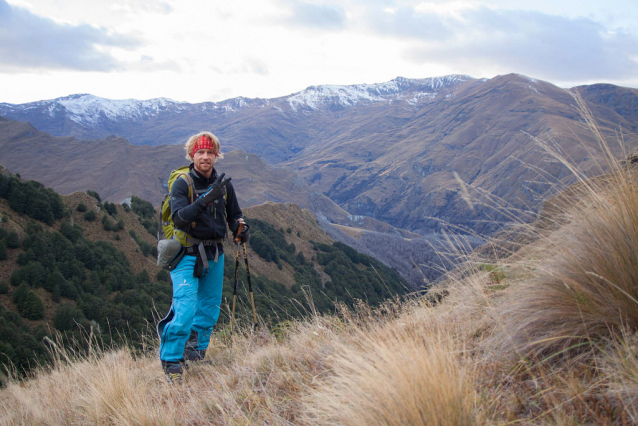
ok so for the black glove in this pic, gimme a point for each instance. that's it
(244, 235)
(216, 190)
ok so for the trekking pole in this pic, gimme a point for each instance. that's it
(232, 318)
(250, 287)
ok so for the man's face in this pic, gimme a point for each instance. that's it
(204, 161)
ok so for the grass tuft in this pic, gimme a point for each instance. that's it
(585, 289)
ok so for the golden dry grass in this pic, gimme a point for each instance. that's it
(406, 363)
(263, 378)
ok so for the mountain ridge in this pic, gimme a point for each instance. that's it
(90, 117)
(409, 165)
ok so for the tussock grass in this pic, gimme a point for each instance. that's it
(587, 289)
(407, 372)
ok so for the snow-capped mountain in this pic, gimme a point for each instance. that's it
(87, 116)
(89, 109)
(413, 91)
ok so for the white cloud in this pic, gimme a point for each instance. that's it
(309, 14)
(197, 50)
(545, 46)
(451, 8)
(32, 42)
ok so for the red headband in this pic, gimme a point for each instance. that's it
(204, 142)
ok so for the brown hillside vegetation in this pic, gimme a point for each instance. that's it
(93, 231)
(303, 229)
(546, 338)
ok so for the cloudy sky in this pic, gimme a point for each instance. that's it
(206, 50)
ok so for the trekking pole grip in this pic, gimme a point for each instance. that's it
(239, 229)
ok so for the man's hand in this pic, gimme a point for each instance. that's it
(216, 190)
(243, 235)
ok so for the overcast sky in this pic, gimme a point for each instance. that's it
(206, 50)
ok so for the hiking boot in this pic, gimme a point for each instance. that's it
(194, 354)
(173, 371)
(191, 353)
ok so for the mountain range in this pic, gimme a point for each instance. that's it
(413, 153)
(239, 122)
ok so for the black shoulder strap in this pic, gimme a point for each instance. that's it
(191, 188)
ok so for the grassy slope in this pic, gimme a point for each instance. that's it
(547, 338)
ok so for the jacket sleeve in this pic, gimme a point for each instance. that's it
(233, 212)
(182, 211)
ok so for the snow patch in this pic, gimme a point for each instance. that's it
(413, 91)
(89, 109)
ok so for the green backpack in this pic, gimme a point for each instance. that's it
(166, 218)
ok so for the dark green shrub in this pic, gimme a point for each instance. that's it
(110, 208)
(12, 240)
(264, 247)
(54, 279)
(55, 294)
(89, 216)
(29, 304)
(3, 250)
(163, 276)
(107, 224)
(146, 248)
(33, 273)
(142, 207)
(4, 287)
(152, 226)
(94, 195)
(32, 307)
(143, 277)
(32, 199)
(66, 316)
(20, 293)
(71, 233)
(81, 207)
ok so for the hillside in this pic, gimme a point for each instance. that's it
(75, 265)
(405, 174)
(119, 170)
(547, 337)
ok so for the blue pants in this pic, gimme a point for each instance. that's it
(196, 305)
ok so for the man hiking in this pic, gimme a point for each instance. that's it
(202, 203)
